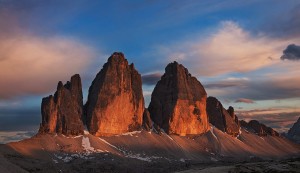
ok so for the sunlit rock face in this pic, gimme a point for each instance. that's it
(178, 102)
(258, 128)
(220, 118)
(62, 113)
(115, 102)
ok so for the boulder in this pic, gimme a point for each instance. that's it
(115, 102)
(62, 113)
(178, 102)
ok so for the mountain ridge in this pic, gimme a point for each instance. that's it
(181, 127)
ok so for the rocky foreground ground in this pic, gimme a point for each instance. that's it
(271, 166)
(143, 151)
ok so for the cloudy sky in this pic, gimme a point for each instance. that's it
(245, 53)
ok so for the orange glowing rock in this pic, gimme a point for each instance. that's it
(178, 102)
(62, 112)
(115, 102)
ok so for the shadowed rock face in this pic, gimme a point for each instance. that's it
(258, 128)
(62, 113)
(115, 102)
(230, 111)
(178, 102)
(220, 118)
(147, 123)
(294, 132)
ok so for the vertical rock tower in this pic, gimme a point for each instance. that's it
(178, 102)
(115, 102)
(62, 112)
(220, 118)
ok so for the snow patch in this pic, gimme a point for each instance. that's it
(129, 154)
(103, 140)
(163, 132)
(212, 132)
(86, 132)
(182, 160)
(87, 145)
(213, 159)
(143, 158)
(130, 133)
(169, 137)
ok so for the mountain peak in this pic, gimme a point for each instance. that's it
(178, 102)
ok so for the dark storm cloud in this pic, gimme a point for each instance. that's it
(19, 120)
(292, 52)
(285, 25)
(220, 85)
(258, 89)
(151, 79)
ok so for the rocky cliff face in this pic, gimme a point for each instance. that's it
(294, 132)
(178, 102)
(220, 118)
(147, 122)
(258, 128)
(115, 101)
(230, 111)
(62, 113)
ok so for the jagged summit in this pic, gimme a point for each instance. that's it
(258, 128)
(121, 138)
(294, 132)
(224, 120)
(115, 102)
(178, 102)
(62, 113)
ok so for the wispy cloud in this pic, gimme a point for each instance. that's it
(151, 79)
(229, 49)
(6, 137)
(34, 63)
(281, 121)
(244, 100)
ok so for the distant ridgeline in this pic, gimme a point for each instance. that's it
(115, 105)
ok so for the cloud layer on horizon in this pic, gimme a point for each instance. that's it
(281, 122)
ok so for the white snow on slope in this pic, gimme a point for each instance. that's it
(103, 140)
(143, 158)
(162, 130)
(130, 133)
(87, 145)
(129, 154)
(212, 132)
